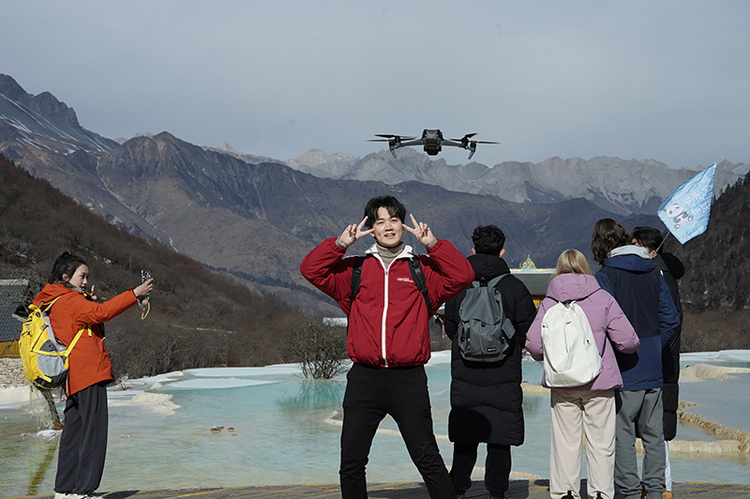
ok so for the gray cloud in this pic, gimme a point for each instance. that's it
(647, 80)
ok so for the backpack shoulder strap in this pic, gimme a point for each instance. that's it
(356, 277)
(44, 307)
(77, 337)
(569, 305)
(508, 328)
(496, 280)
(417, 275)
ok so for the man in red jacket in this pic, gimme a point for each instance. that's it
(388, 336)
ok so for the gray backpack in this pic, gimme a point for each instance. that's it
(484, 332)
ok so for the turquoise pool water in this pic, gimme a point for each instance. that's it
(284, 431)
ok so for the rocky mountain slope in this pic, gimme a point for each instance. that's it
(43, 135)
(197, 318)
(256, 218)
(257, 221)
(618, 185)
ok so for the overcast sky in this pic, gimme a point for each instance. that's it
(664, 80)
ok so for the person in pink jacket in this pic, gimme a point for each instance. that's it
(590, 407)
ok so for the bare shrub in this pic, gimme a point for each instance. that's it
(438, 339)
(320, 348)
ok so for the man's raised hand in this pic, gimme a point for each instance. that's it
(421, 231)
(352, 233)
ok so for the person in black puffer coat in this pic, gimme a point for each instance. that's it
(486, 398)
(672, 270)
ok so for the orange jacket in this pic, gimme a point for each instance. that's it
(89, 360)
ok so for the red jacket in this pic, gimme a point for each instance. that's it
(89, 359)
(389, 324)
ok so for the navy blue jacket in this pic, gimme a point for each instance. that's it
(643, 295)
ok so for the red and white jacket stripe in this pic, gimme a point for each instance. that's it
(389, 321)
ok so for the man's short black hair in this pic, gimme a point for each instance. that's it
(648, 237)
(393, 205)
(488, 240)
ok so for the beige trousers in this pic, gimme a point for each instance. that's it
(575, 413)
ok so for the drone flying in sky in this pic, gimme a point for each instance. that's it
(433, 142)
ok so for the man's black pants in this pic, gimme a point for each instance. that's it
(83, 444)
(371, 393)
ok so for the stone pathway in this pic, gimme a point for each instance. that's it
(519, 489)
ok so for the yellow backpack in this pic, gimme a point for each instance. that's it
(45, 359)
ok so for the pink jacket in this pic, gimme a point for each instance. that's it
(605, 316)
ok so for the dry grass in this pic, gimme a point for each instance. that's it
(714, 330)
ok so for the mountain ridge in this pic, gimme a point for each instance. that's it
(256, 218)
(618, 185)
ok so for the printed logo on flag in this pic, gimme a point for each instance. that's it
(685, 212)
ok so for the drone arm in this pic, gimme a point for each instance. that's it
(448, 142)
(416, 142)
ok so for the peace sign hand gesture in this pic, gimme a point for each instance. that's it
(352, 233)
(421, 231)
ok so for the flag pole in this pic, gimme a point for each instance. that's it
(662, 241)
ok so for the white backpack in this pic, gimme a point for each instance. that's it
(571, 357)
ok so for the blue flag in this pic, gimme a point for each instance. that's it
(685, 212)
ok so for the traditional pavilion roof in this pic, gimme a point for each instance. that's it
(536, 280)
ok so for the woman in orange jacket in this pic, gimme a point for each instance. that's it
(83, 444)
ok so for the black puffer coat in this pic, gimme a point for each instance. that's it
(672, 269)
(486, 398)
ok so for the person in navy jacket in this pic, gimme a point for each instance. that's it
(388, 336)
(630, 276)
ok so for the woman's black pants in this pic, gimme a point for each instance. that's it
(83, 444)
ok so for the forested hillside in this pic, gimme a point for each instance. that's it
(198, 318)
(716, 288)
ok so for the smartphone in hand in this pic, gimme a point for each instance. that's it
(145, 276)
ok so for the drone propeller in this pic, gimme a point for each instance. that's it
(389, 137)
(394, 141)
(465, 137)
(472, 145)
